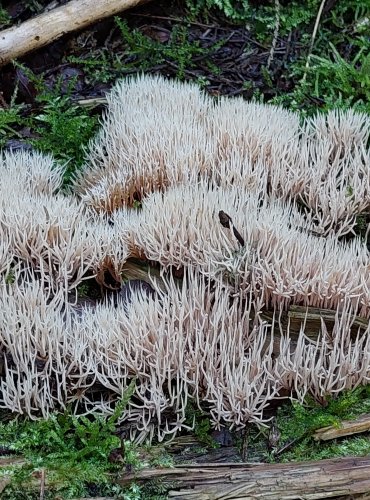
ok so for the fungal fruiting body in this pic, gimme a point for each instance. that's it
(248, 202)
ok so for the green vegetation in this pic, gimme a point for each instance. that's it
(81, 455)
(4, 18)
(57, 125)
(10, 119)
(331, 82)
(201, 424)
(144, 53)
(63, 129)
(297, 424)
(75, 451)
(338, 71)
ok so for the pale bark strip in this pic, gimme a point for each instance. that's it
(309, 480)
(346, 428)
(49, 26)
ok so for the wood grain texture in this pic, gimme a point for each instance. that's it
(346, 428)
(346, 477)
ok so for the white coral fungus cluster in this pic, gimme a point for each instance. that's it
(43, 230)
(158, 133)
(290, 190)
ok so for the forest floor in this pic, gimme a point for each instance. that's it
(268, 55)
(52, 99)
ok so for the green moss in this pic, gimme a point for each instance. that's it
(10, 119)
(201, 424)
(59, 126)
(64, 129)
(75, 451)
(308, 449)
(297, 423)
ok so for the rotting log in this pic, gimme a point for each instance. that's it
(310, 317)
(346, 428)
(308, 480)
(295, 316)
(51, 25)
(316, 314)
(294, 319)
(340, 478)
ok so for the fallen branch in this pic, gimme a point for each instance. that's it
(92, 102)
(314, 313)
(311, 318)
(347, 428)
(51, 25)
(346, 477)
(309, 480)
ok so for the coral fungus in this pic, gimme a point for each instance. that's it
(220, 334)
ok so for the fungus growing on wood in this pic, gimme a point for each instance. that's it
(215, 336)
(155, 134)
(52, 233)
(282, 262)
(336, 361)
(159, 133)
(192, 342)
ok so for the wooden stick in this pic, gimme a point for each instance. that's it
(42, 484)
(309, 480)
(49, 26)
(314, 33)
(92, 102)
(347, 428)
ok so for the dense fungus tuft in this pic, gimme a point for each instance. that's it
(236, 212)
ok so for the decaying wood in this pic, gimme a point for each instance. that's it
(316, 314)
(296, 317)
(346, 428)
(51, 25)
(309, 480)
(91, 102)
(341, 478)
(310, 318)
(135, 270)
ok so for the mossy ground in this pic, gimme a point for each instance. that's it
(81, 456)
